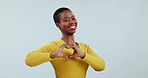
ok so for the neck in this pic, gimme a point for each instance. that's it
(68, 39)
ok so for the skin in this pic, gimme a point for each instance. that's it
(67, 26)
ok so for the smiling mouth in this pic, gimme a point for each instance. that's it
(72, 27)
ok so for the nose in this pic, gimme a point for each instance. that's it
(71, 22)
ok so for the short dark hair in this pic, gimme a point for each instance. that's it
(57, 12)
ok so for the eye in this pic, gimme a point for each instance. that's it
(66, 20)
(73, 18)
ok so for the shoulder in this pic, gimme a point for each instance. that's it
(53, 45)
(84, 45)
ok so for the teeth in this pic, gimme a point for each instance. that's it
(72, 26)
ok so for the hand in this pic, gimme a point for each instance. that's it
(58, 53)
(77, 52)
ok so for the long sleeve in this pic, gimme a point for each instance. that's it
(38, 57)
(94, 60)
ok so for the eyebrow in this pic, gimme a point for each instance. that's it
(69, 17)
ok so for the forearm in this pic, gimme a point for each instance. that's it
(34, 59)
(95, 62)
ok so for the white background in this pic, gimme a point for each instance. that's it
(117, 30)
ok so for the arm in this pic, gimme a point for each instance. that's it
(89, 56)
(94, 60)
(38, 57)
(45, 54)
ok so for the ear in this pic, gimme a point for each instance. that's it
(57, 24)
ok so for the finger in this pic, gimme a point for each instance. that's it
(66, 57)
(71, 56)
(68, 47)
(74, 47)
(61, 47)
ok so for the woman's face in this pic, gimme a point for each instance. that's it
(68, 22)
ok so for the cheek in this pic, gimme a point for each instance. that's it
(76, 23)
(64, 24)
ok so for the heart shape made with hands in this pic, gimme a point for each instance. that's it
(68, 51)
(76, 52)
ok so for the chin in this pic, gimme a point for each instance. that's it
(71, 33)
(74, 32)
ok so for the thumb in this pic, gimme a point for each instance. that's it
(74, 47)
(64, 56)
(61, 48)
(71, 56)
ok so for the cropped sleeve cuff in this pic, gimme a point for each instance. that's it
(47, 56)
(86, 57)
